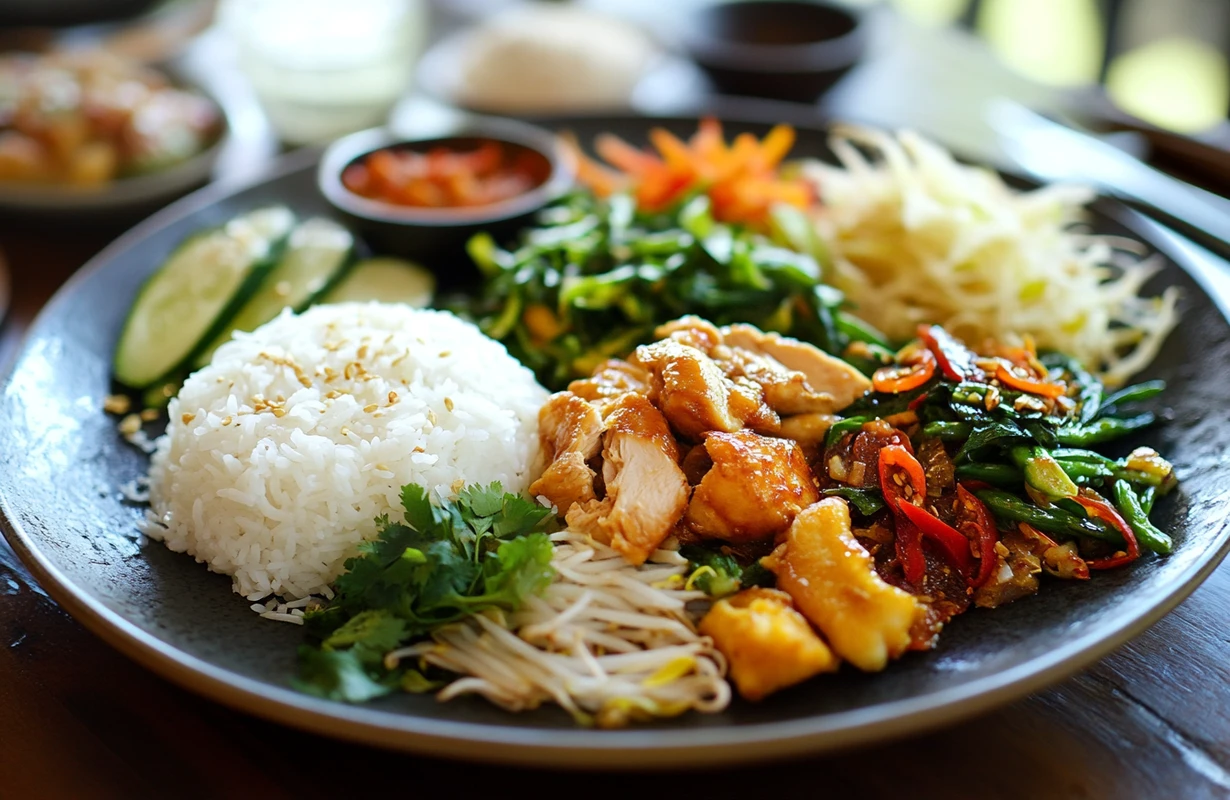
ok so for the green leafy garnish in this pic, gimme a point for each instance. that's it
(487, 549)
(596, 277)
(719, 574)
(338, 675)
(867, 501)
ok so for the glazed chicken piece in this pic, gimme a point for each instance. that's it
(692, 331)
(768, 644)
(570, 430)
(824, 373)
(807, 429)
(786, 391)
(833, 582)
(696, 396)
(646, 492)
(610, 381)
(756, 486)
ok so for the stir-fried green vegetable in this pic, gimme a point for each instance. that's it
(446, 562)
(597, 276)
(992, 449)
(1024, 427)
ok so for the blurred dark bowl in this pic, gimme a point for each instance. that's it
(436, 237)
(780, 49)
(63, 13)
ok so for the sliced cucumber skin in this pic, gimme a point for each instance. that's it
(388, 280)
(261, 306)
(134, 369)
(357, 255)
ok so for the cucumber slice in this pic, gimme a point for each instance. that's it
(389, 280)
(196, 291)
(317, 253)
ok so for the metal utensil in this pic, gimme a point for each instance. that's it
(1053, 152)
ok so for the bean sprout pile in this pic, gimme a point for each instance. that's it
(607, 641)
(918, 237)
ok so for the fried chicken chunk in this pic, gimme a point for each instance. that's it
(756, 486)
(696, 396)
(807, 428)
(691, 330)
(786, 391)
(769, 645)
(823, 372)
(646, 491)
(611, 380)
(570, 430)
(833, 581)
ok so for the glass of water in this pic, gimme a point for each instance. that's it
(324, 68)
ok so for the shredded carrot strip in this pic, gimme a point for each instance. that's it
(624, 156)
(776, 145)
(742, 179)
(675, 152)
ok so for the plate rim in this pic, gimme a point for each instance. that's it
(643, 747)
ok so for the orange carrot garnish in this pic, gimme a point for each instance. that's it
(742, 179)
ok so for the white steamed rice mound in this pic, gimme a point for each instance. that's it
(281, 452)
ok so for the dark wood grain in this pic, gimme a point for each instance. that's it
(77, 719)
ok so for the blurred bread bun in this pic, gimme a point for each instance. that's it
(544, 57)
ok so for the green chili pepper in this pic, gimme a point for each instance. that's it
(1088, 464)
(948, 431)
(970, 392)
(1043, 472)
(1102, 430)
(1078, 454)
(1138, 519)
(997, 474)
(1011, 508)
(1084, 470)
(841, 428)
(1090, 392)
(859, 331)
(1134, 394)
(1147, 495)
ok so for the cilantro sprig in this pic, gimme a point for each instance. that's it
(487, 549)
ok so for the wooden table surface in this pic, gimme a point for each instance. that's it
(79, 720)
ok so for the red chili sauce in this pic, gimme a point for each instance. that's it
(452, 173)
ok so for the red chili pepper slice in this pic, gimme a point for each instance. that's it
(974, 518)
(904, 377)
(908, 543)
(955, 545)
(955, 359)
(870, 441)
(918, 401)
(1103, 510)
(1008, 376)
(895, 460)
(895, 455)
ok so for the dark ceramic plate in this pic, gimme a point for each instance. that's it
(61, 462)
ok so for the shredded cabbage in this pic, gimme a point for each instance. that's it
(917, 237)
